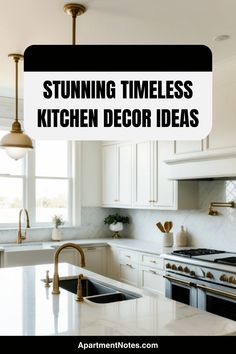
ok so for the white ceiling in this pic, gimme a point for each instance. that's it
(26, 22)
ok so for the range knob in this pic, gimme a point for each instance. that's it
(186, 270)
(224, 277)
(192, 272)
(180, 268)
(173, 267)
(168, 266)
(209, 275)
(232, 280)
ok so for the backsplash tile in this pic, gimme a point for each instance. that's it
(203, 230)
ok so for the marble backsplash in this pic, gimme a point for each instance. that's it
(202, 230)
(92, 226)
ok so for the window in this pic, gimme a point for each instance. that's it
(42, 183)
(11, 187)
(52, 180)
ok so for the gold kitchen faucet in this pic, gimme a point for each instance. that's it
(20, 237)
(55, 289)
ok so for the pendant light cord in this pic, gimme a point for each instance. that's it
(74, 10)
(74, 29)
(16, 88)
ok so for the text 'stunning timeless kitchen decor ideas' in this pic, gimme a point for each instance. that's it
(115, 92)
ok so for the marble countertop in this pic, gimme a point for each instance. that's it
(28, 308)
(132, 244)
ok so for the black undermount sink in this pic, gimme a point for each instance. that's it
(96, 291)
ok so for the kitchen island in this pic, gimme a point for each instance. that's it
(27, 307)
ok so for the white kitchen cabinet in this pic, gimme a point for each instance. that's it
(124, 179)
(143, 173)
(128, 273)
(136, 176)
(113, 262)
(69, 255)
(136, 268)
(27, 257)
(152, 188)
(109, 174)
(95, 259)
(152, 280)
(128, 266)
(34, 257)
(165, 192)
(151, 273)
(117, 175)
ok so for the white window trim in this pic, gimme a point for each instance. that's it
(29, 179)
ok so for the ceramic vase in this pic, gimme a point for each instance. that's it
(116, 228)
(56, 234)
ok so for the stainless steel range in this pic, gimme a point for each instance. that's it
(203, 278)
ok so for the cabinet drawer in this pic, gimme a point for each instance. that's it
(152, 280)
(128, 274)
(127, 256)
(153, 261)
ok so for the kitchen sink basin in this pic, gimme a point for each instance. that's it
(89, 287)
(118, 296)
(96, 291)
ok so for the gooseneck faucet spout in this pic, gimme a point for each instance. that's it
(20, 237)
(55, 289)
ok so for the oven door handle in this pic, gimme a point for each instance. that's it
(217, 292)
(178, 281)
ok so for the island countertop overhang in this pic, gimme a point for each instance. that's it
(28, 308)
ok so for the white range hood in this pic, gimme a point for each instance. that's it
(207, 165)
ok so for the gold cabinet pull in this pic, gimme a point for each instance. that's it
(217, 292)
(178, 281)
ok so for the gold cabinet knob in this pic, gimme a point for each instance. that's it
(224, 277)
(186, 270)
(180, 268)
(173, 267)
(209, 275)
(168, 266)
(232, 280)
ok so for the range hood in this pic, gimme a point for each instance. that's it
(218, 164)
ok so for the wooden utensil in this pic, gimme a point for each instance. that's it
(160, 227)
(166, 226)
(170, 225)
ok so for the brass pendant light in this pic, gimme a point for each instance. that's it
(16, 142)
(74, 10)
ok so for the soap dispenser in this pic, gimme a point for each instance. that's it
(181, 237)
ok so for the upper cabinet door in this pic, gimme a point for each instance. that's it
(143, 178)
(124, 178)
(110, 172)
(164, 190)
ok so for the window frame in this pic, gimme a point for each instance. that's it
(29, 187)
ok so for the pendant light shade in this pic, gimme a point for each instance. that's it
(16, 143)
